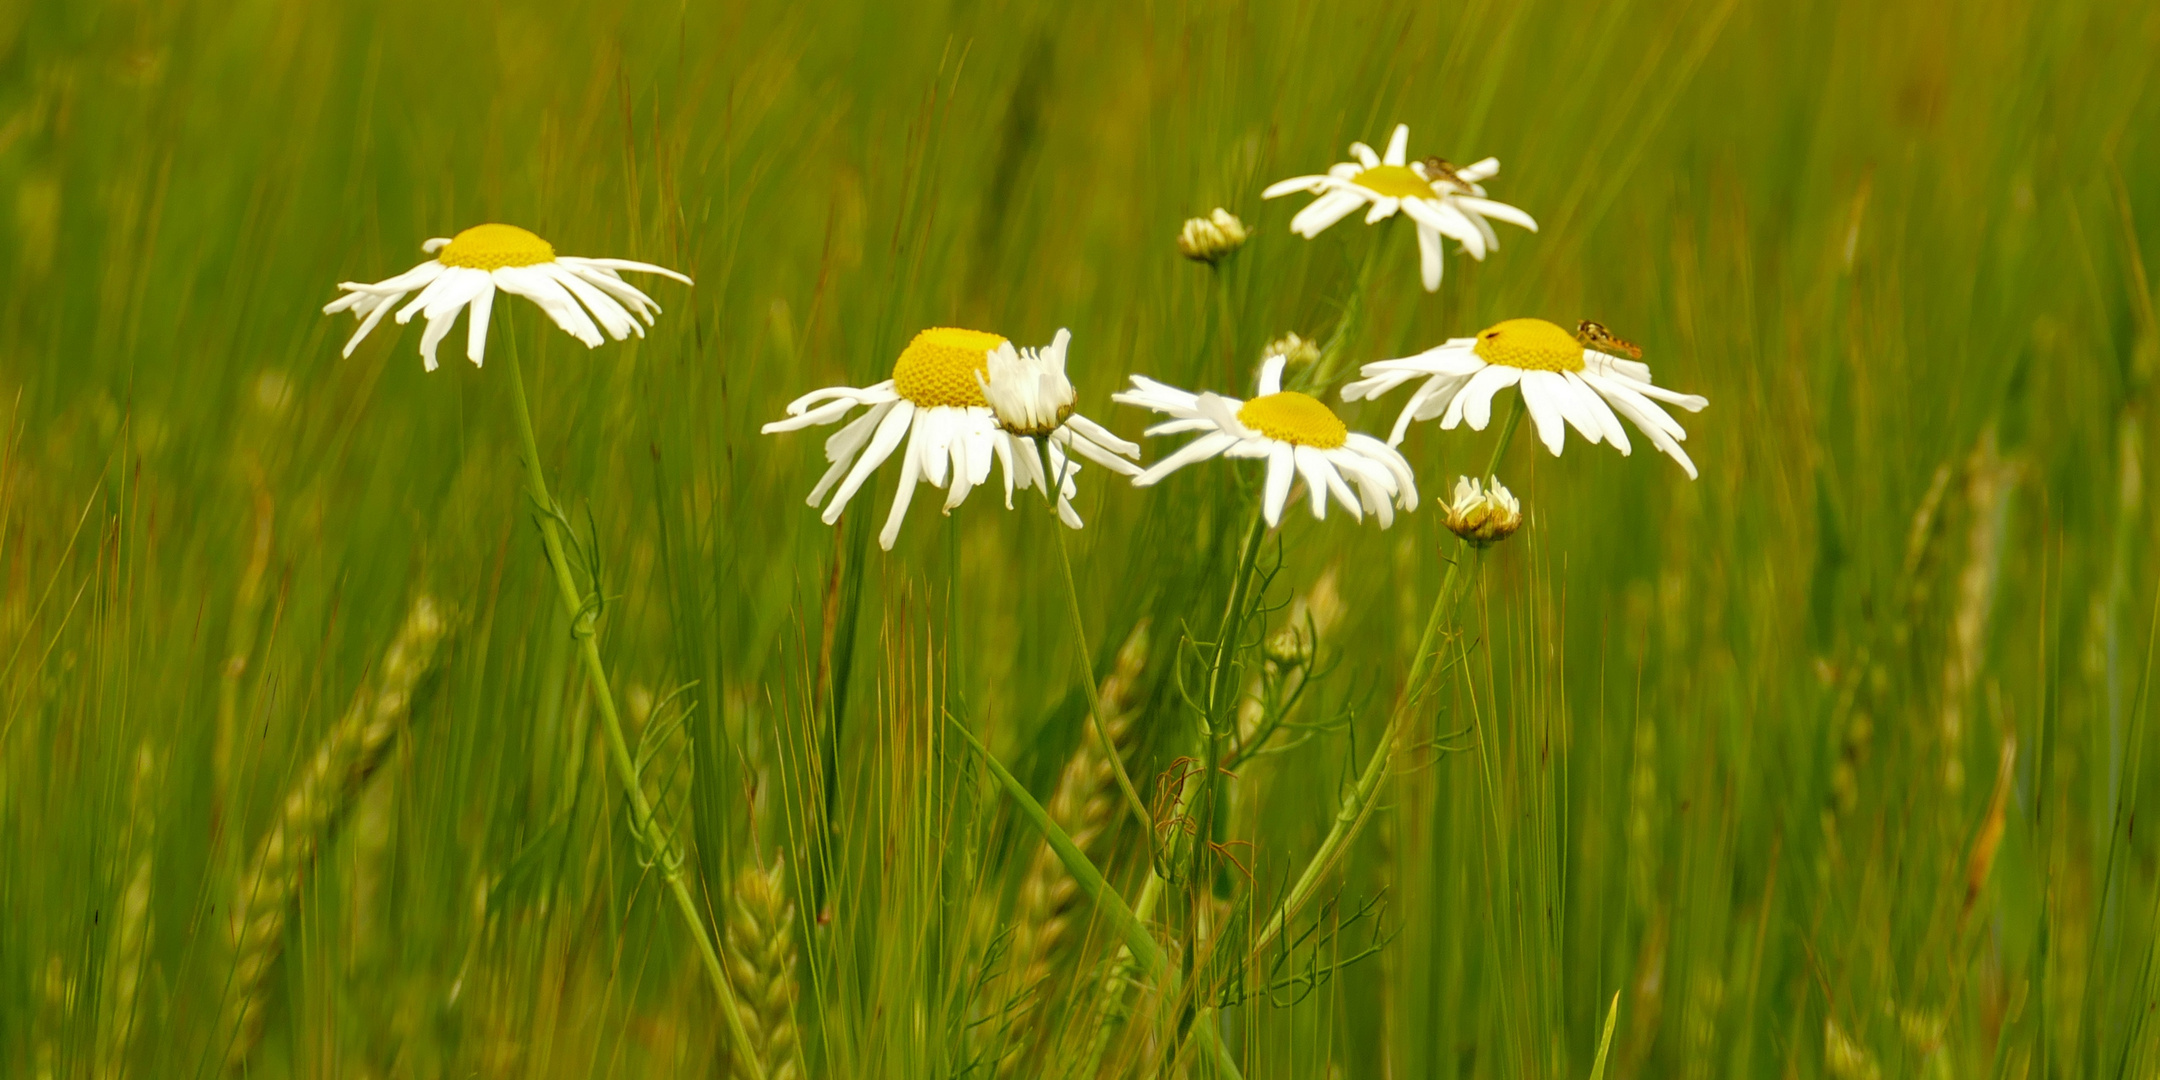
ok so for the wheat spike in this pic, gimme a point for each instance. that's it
(319, 794)
(1087, 802)
(131, 931)
(761, 964)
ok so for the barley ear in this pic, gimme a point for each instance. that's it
(319, 794)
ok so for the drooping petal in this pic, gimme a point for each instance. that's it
(1200, 449)
(1281, 470)
(888, 435)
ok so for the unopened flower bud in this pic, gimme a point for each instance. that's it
(1295, 351)
(1483, 516)
(1211, 239)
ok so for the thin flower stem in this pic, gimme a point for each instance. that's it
(1218, 678)
(1357, 806)
(1094, 695)
(649, 831)
(1106, 899)
(1323, 370)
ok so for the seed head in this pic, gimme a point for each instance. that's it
(1481, 515)
(1211, 239)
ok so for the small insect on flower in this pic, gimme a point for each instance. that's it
(961, 398)
(1595, 336)
(1483, 516)
(1563, 384)
(1213, 238)
(468, 268)
(1444, 200)
(1296, 434)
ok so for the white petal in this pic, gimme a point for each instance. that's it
(613, 318)
(1314, 469)
(1271, 370)
(1324, 211)
(1601, 413)
(1544, 412)
(552, 298)
(1474, 403)
(1497, 210)
(1397, 144)
(1481, 169)
(1199, 449)
(1282, 469)
(888, 434)
(1428, 248)
(1279, 188)
(841, 448)
(904, 491)
(1364, 155)
(626, 264)
(476, 323)
(1101, 436)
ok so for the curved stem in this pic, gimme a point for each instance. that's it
(1323, 370)
(1220, 701)
(650, 833)
(1094, 695)
(1357, 806)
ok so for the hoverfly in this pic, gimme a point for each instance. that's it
(1595, 336)
(1438, 171)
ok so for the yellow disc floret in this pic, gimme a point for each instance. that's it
(1294, 418)
(1395, 182)
(492, 247)
(939, 367)
(1530, 344)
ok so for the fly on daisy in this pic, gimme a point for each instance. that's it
(468, 268)
(1443, 200)
(961, 398)
(1563, 383)
(1294, 433)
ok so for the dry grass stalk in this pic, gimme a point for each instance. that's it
(761, 964)
(325, 788)
(1989, 481)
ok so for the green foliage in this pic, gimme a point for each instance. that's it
(1830, 762)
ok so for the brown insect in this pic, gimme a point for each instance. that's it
(1595, 336)
(1438, 171)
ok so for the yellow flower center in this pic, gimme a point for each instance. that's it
(939, 366)
(1294, 418)
(492, 247)
(1395, 182)
(1531, 344)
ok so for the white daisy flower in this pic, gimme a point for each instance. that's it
(1028, 389)
(1562, 381)
(1441, 199)
(936, 399)
(469, 267)
(1296, 434)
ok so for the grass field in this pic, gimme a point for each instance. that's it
(1828, 763)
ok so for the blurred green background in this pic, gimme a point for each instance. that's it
(1827, 764)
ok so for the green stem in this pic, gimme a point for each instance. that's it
(1220, 700)
(649, 831)
(1094, 695)
(1356, 807)
(1323, 370)
(1106, 900)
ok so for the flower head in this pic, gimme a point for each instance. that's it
(1483, 516)
(468, 268)
(1564, 383)
(937, 400)
(1212, 238)
(1028, 389)
(1297, 436)
(1444, 200)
